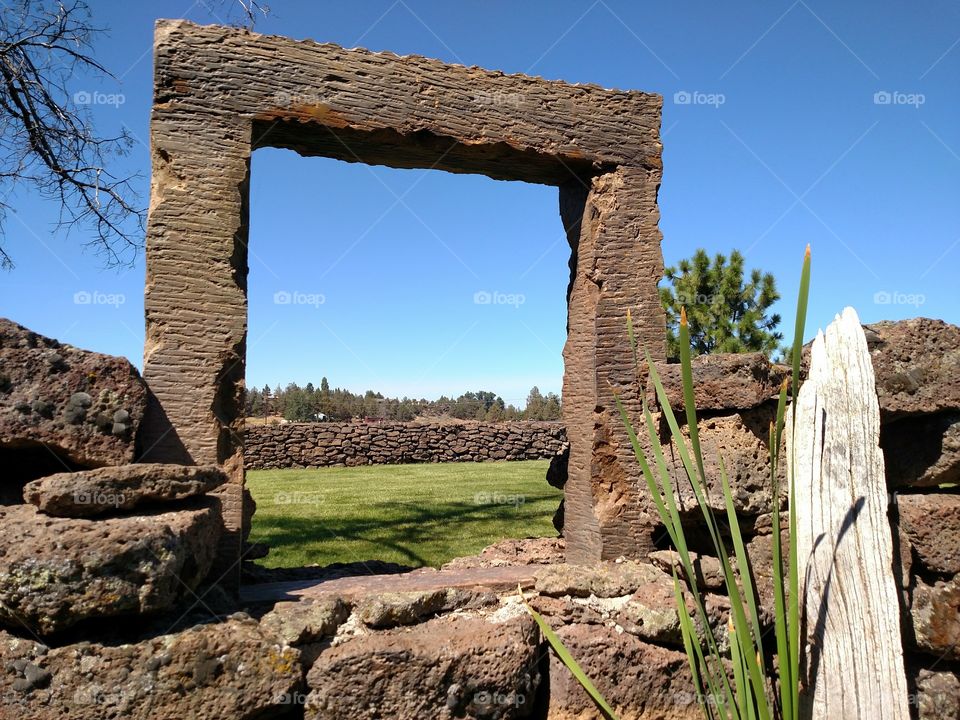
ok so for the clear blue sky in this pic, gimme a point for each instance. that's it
(783, 142)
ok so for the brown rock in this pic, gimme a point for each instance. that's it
(931, 523)
(640, 680)
(604, 580)
(55, 572)
(222, 671)
(651, 614)
(529, 551)
(741, 440)
(723, 381)
(916, 363)
(935, 612)
(937, 695)
(390, 609)
(114, 489)
(922, 451)
(83, 407)
(445, 668)
(760, 552)
(709, 572)
(306, 621)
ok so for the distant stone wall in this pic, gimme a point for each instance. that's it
(392, 443)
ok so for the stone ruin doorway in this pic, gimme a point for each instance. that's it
(220, 93)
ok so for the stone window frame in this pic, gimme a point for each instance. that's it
(220, 93)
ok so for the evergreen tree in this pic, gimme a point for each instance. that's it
(534, 409)
(551, 407)
(724, 313)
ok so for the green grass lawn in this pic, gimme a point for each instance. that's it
(411, 514)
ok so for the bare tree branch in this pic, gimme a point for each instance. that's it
(47, 141)
(249, 10)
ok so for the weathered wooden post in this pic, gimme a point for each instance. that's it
(852, 666)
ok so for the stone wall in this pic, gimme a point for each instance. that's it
(109, 599)
(392, 443)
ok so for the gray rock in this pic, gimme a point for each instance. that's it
(605, 580)
(115, 489)
(223, 671)
(56, 572)
(52, 395)
(937, 695)
(306, 621)
(390, 609)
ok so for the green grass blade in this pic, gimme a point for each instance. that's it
(670, 517)
(688, 643)
(701, 503)
(793, 611)
(699, 667)
(671, 419)
(674, 513)
(794, 608)
(740, 550)
(739, 670)
(572, 665)
(749, 636)
(781, 620)
(677, 436)
(689, 401)
(652, 486)
(798, 330)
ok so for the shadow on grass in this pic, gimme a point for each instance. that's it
(403, 526)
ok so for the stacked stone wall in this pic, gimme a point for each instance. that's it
(294, 445)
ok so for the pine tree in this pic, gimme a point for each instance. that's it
(534, 410)
(724, 313)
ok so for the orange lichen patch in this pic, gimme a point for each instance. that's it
(318, 113)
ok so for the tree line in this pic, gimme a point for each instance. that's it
(310, 404)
